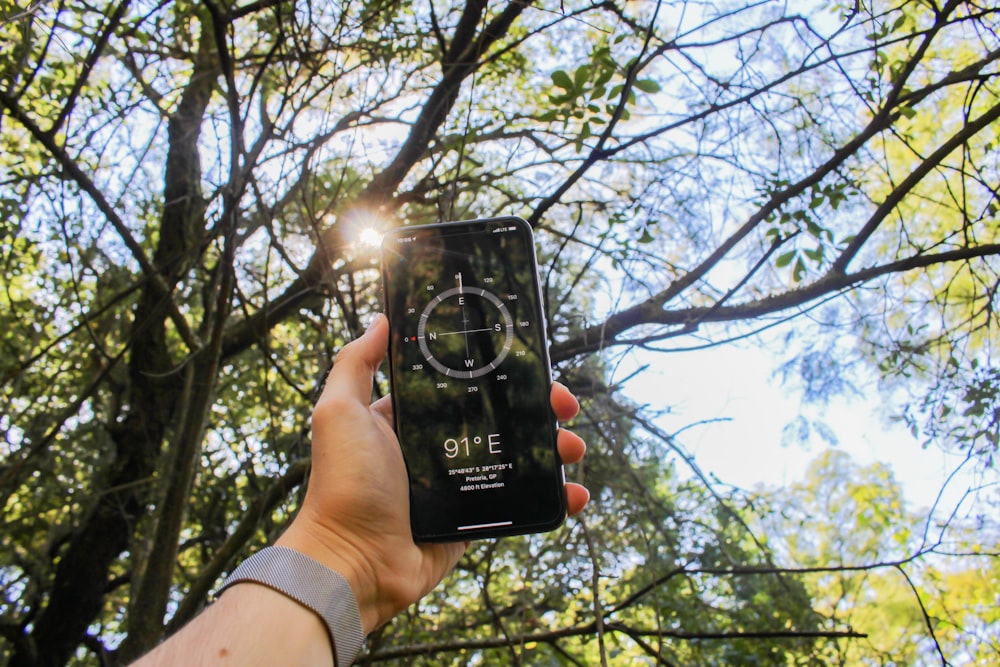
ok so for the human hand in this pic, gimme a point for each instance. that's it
(355, 518)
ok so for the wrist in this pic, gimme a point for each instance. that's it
(315, 587)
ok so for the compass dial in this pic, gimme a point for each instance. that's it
(465, 332)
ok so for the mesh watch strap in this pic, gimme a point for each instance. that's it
(312, 585)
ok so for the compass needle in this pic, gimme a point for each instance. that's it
(465, 318)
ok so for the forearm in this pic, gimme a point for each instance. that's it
(249, 625)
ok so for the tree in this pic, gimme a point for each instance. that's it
(886, 572)
(185, 187)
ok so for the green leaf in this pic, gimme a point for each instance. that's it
(561, 80)
(605, 73)
(785, 259)
(799, 270)
(648, 86)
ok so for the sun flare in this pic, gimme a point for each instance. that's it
(369, 237)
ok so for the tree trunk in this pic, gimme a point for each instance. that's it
(81, 578)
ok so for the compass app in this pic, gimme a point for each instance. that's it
(470, 379)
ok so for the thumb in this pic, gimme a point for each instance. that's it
(355, 365)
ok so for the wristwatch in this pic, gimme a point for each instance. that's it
(312, 585)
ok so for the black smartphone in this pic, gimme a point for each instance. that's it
(470, 376)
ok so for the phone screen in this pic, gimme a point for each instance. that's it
(470, 380)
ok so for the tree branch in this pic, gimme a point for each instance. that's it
(262, 505)
(603, 335)
(155, 279)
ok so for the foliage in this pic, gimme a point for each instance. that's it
(184, 190)
(880, 569)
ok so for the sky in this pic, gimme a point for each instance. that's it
(733, 410)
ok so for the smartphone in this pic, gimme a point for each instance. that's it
(470, 376)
